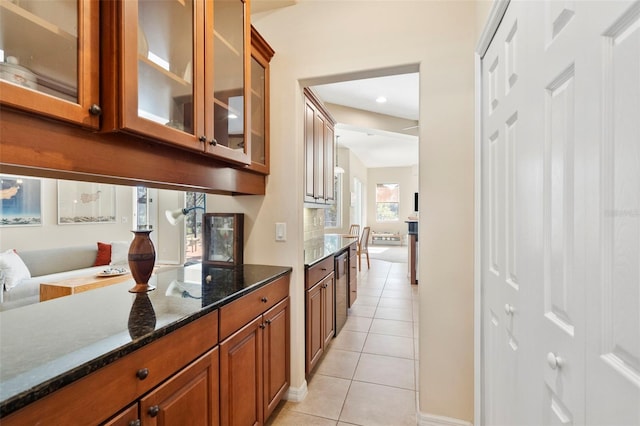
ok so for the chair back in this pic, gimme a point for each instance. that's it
(354, 230)
(364, 239)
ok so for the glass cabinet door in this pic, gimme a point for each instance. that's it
(159, 73)
(229, 45)
(44, 66)
(261, 54)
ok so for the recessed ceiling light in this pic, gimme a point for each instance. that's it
(381, 99)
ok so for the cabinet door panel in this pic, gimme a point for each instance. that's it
(159, 70)
(276, 355)
(228, 84)
(309, 153)
(329, 308)
(241, 376)
(126, 417)
(52, 61)
(188, 398)
(318, 150)
(329, 160)
(314, 326)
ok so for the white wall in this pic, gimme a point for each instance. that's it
(358, 170)
(408, 186)
(51, 235)
(316, 39)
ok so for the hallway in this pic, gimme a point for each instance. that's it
(368, 375)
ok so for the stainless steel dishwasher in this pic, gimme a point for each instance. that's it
(341, 268)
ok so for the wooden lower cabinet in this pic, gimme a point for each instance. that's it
(127, 417)
(277, 343)
(254, 367)
(320, 319)
(190, 397)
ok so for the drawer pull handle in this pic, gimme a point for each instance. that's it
(268, 322)
(95, 109)
(153, 411)
(264, 300)
(135, 422)
(323, 269)
(142, 373)
(262, 326)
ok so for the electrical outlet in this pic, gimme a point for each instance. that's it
(281, 232)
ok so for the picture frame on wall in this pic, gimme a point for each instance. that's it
(86, 203)
(223, 235)
(20, 201)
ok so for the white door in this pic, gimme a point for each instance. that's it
(561, 215)
(613, 219)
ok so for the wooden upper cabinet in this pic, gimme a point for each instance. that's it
(180, 73)
(319, 144)
(261, 54)
(49, 58)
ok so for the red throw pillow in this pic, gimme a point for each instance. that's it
(104, 254)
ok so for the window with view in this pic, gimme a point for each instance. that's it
(387, 202)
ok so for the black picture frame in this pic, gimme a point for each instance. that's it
(223, 235)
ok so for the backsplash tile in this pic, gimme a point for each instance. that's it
(313, 223)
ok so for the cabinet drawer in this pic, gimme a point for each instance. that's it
(353, 249)
(240, 312)
(318, 271)
(353, 268)
(96, 397)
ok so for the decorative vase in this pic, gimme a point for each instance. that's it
(142, 318)
(142, 258)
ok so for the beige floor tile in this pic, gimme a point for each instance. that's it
(287, 417)
(381, 344)
(362, 311)
(389, 302)
(394, 281)
(369, 291)
(397, 293)
(363, 300)
(391, 327)
(394, 314)
(371, 404)
(416, 349)
(376, 282)
(349, 341)
(386, 370)
(417, 365)
(325, 398)
(339, 363)
(361, 324)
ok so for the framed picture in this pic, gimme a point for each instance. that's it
(223, 238)
(21, 199)
(86, 202)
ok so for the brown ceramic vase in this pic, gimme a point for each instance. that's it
(142, 258)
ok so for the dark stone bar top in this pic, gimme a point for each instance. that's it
(48, 345)
(318, 249)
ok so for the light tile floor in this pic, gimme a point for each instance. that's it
(368, 374)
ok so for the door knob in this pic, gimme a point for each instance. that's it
(508, 309)
(554, 361)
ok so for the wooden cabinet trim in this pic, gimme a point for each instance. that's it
(277, 349)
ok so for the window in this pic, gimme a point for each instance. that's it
(332, 216)
(193, 226)
(387, 202)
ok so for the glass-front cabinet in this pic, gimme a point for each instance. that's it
(49, 58)
(261, 54)
(184, 78)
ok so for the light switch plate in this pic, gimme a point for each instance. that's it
(281, 231)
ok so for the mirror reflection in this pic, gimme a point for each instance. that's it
(57, 236)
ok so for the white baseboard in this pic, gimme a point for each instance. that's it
(297, 394)
(433, 420)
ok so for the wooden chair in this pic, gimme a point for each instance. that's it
(363, 247)
(354, 230)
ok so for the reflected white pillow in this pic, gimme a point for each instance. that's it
(13, 268)
(119, 253)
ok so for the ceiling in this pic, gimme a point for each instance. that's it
(374, 146)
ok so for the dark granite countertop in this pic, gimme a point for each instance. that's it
(48, 345)
(318, 249)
